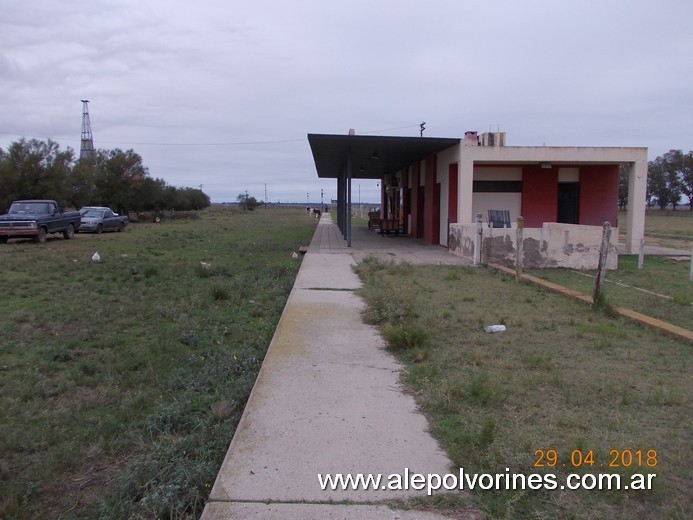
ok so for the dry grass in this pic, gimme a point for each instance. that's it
(122, 382)
(561, 377)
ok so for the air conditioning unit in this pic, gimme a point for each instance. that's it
(493, 139)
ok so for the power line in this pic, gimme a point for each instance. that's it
(229, 143)
(390, 129)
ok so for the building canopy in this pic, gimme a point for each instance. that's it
(372, 157)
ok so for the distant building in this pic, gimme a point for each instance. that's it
(434, 188)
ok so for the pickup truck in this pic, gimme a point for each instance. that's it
(36, 219)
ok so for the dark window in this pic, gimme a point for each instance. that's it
(497, 187)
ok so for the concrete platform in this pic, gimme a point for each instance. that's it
(252, 511)
(396, 248)
(327, 400)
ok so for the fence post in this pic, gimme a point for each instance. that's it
(519, 250)
(601, 268)
(641, 254)
(477, 240)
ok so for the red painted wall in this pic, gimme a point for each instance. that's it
(431, 217)
(406, 198)
(416, 209)
(599, 195)
(539, 195)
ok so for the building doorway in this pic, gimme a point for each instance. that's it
(568, 203)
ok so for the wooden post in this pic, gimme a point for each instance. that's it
(477, 240)
(601, 268)
(690, 276)
(519, 250)
(641, 253)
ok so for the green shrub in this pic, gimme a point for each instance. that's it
(406, 337)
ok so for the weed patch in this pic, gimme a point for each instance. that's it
(561, 377)
(405, 337)
(122, 382)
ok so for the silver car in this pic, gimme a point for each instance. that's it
(97, 220)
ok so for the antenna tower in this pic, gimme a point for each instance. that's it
(86, 152)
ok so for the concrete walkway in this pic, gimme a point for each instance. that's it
(327, 400)
(328, 240)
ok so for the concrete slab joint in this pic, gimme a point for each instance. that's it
(327, 400)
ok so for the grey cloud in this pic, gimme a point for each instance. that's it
(571, 73)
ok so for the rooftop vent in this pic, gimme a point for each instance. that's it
(493, 139)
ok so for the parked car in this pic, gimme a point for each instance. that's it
(36, 219)
(98, 219)
(84, 209)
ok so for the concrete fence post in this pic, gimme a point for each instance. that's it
(641, 254)
(477, 239)
(601, 267)
(519, 250)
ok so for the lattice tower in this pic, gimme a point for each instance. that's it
(86, 151)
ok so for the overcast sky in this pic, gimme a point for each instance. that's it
(222, 93)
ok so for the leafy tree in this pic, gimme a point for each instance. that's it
(82, 179)
(34, 169)
(657, 187)
(673, 167)
(7, 180)
(247, 202)
(148, 195)
(193, 199)
(119, 174)
(687, 178)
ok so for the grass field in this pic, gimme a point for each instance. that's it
(661, 289)
(122, 381)
(563, 378)
(667, 228)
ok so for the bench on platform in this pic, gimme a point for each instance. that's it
(391, 225)
(373, 220)
(499, 218)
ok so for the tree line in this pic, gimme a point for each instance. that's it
(36, 169)
(669, 179)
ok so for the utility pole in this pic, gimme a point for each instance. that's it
(86, 151)
(422, 127)
(322, 199)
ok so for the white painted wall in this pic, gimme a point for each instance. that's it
(468, 156)
(569, 175)
(637, 186)
(443, 177)
(637, 180)
(561, 245)
(443, 162)
(482, 202)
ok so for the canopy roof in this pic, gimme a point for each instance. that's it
(372, 157)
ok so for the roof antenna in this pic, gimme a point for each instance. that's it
(422, 126)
